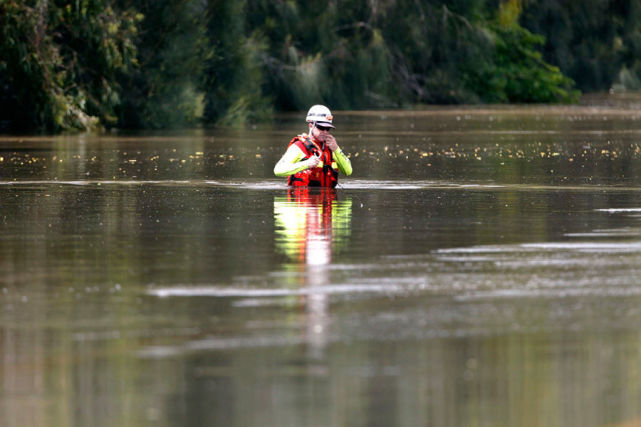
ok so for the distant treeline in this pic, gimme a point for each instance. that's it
(77, 64)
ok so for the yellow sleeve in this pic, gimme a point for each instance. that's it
(291, 162)
(342, 161)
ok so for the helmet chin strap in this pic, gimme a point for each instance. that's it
(312, 135)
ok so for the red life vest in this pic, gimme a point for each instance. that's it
(325, 176)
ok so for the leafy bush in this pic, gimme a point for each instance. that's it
(60, 62)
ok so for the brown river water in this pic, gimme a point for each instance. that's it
(479, 268)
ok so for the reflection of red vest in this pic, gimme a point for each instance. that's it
(322, 198)
(317, 206)
(325, 176)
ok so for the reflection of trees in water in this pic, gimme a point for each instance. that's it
(311, 225)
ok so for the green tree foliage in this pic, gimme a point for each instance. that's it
(178, 63)
(435, 46)
(597, 43)
(234, 72)
(165, 89)
(355, 54)
(316, 52)
(517, 72)
(60, 61)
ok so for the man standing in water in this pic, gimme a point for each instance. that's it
(314, 159)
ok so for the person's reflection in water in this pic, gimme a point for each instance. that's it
(311, 226)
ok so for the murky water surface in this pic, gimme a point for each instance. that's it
(480, 267)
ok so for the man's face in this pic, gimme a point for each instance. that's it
(319, 132)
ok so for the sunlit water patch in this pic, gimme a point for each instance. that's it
(547, 269)
(621, 210)
(218, 292)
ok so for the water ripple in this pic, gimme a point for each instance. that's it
(347, 184)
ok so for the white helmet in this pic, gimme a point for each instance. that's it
(320, 114)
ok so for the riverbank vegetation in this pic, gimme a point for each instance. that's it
(139, 64)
